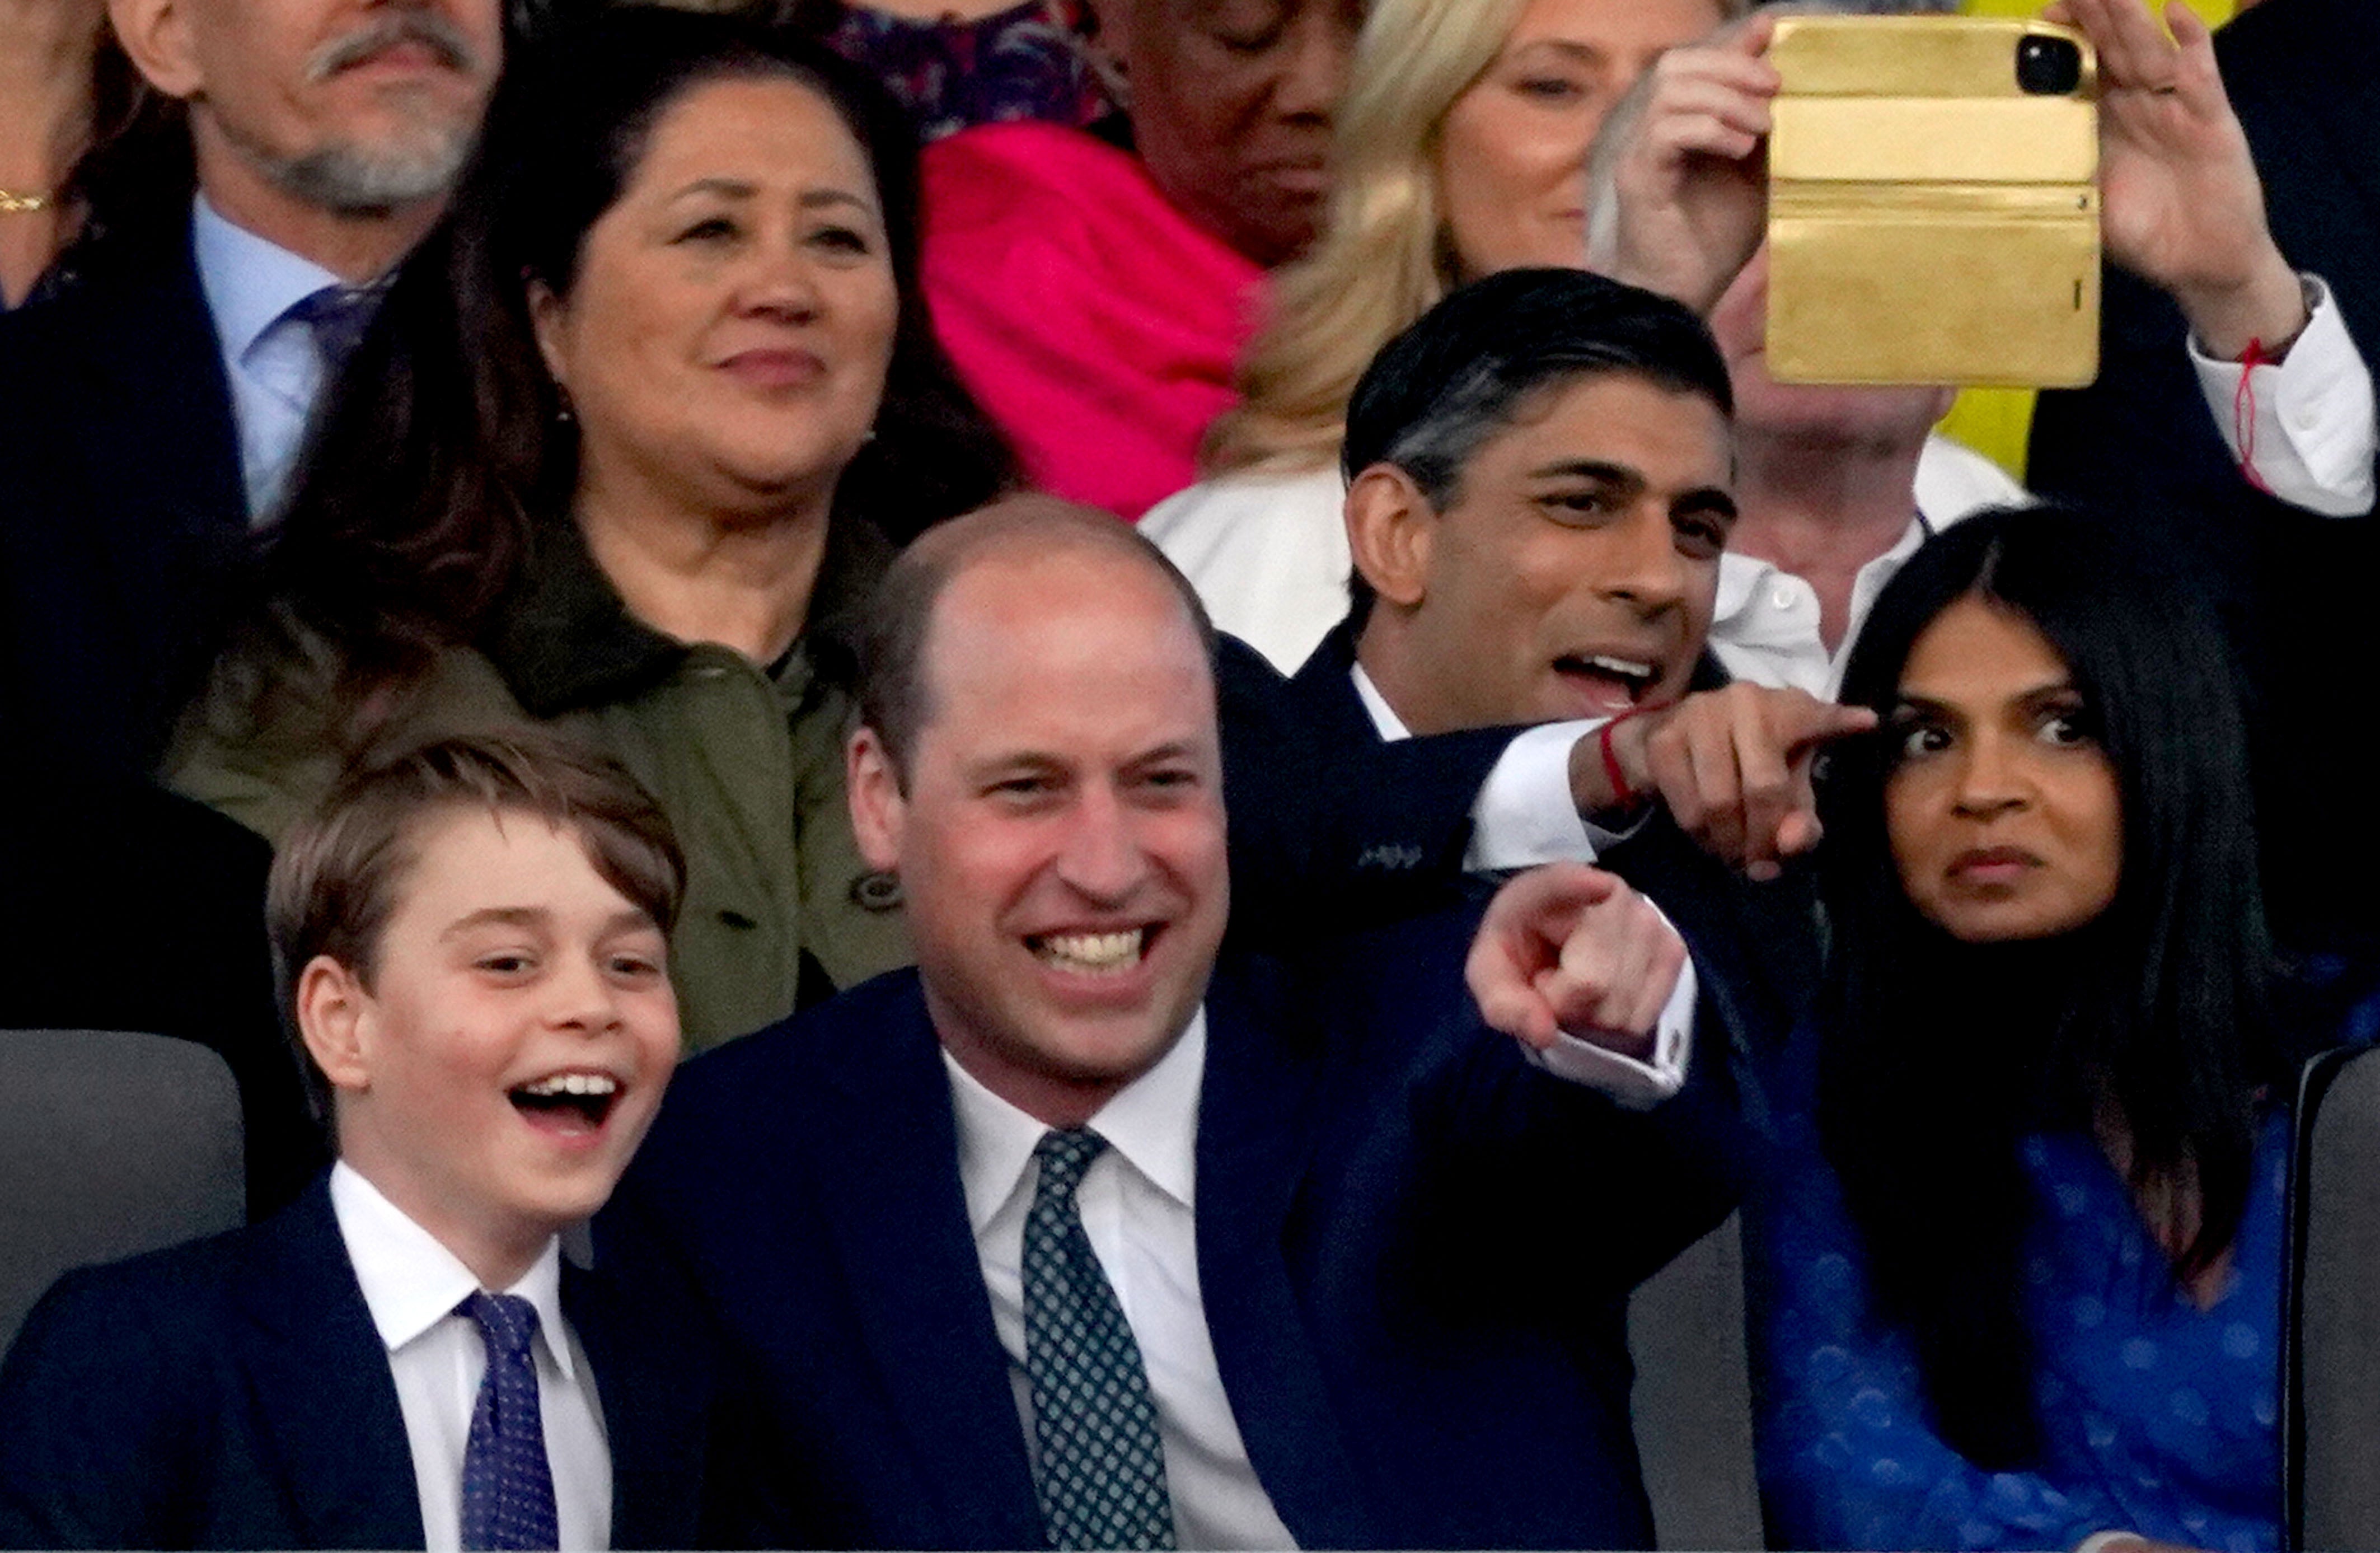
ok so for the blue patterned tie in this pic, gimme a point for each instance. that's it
(507, 1485)
(1100, 1465)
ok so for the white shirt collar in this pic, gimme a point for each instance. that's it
(1384, 717)
(249, 281)
(1742, 576)
(1152, 1123)
(411, 1282)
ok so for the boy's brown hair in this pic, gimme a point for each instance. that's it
(335, 878)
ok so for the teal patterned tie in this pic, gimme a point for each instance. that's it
(1100, 1466)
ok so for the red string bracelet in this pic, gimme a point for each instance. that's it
(2243, 414)
(1622, 795)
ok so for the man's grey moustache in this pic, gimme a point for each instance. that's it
(430, 30)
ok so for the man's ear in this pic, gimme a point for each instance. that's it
(156, 36)
(877, 808)
(1391, 528)
(332, 1010)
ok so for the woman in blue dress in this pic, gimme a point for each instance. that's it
(2017, 1272)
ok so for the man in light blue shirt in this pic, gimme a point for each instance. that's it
(149, 415)
(327, 136)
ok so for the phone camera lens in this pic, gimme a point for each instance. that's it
(2048, 67)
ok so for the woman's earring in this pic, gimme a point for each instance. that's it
(562, 416)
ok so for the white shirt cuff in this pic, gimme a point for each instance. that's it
(2312, 432)
(1526, 815)
(1638, 1085)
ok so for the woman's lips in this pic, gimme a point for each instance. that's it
(774, 368)
(1992, 866)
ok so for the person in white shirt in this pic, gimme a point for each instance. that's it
(477, 933)
(1087, 1233)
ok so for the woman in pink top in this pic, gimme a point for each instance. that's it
(1095, 288)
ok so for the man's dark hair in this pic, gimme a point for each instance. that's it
(1939, 1056)
(1437, 393)
(893, 694)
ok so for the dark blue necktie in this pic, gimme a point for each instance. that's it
(337, 316)
(1101, 1465)
(507, 1484)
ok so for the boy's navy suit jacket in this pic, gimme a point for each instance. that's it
(233, 1394)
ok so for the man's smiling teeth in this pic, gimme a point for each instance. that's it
(1091, 951)
(573, 1084)
(1621, 668)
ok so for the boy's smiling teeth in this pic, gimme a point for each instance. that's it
(1091, 951)
(559, 1097)
(573, 1084)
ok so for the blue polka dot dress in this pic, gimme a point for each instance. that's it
(2157, 1416)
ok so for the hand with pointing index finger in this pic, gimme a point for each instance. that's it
(1571, 950)
(1732, 767)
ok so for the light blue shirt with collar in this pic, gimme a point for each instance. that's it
(269, 357)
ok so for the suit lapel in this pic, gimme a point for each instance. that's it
(156, 363)
(888, 1167)
(323, 1388)
(654, 1420)
(1256, 1129)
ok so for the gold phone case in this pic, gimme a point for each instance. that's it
(1929, 220)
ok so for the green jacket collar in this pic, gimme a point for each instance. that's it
(563, 640)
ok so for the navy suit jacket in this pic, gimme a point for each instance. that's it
(1414, 1249)
(234, 1393)
(1755, 946)
(124, 535)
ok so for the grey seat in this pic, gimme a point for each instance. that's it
(2331, 1404)
(110, 1143)
(1693, 1399)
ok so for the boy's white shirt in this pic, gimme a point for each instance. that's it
(411, 1284)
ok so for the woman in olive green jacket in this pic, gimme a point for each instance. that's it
(631, 439)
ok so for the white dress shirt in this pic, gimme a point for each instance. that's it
(412, 1284)
(1764, 628)
(274, 366)
(1551, 822)
(1137, 1202)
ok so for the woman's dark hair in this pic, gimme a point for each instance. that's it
(442, 451)
(127, 195)
(1939, 1056)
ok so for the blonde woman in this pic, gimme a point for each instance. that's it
(1460, 149)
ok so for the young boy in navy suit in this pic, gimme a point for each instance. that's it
(474, 941)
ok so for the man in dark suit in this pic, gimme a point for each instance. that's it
(1072, 1237)
(1539, 493)
(151, 414)
(2297, 587)
(476, 931)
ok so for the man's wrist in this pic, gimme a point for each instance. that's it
(1609, 776)
(2267, 311)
